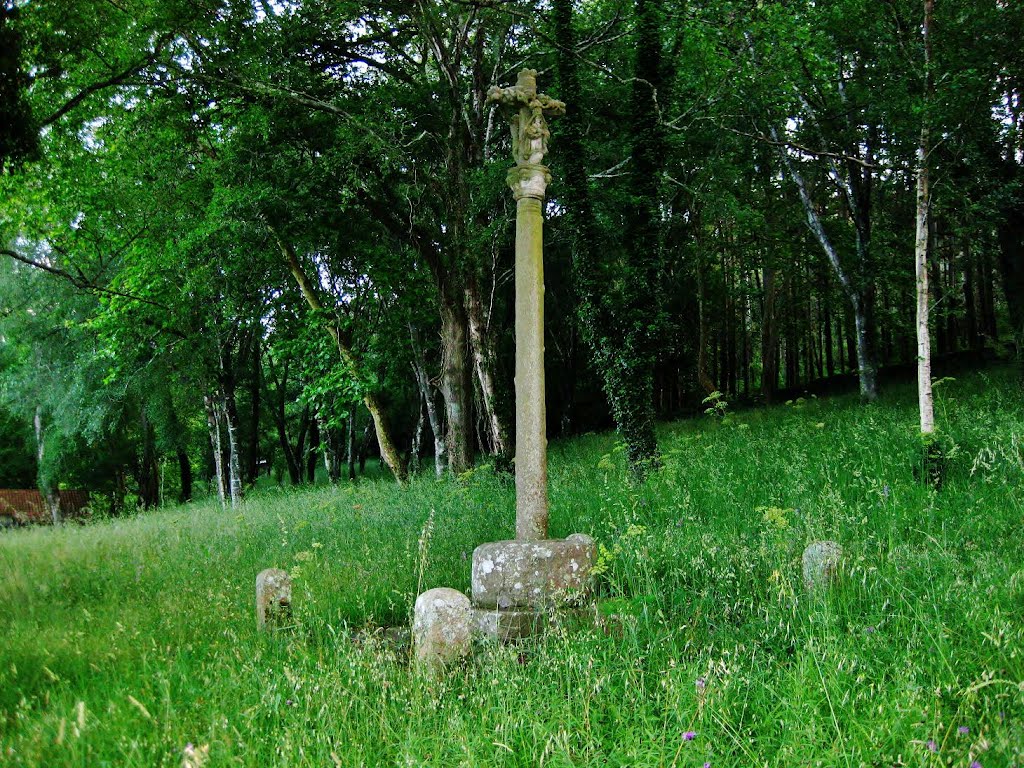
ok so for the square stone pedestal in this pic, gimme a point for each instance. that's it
(518, 585)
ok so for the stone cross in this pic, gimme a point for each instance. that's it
(529, 179)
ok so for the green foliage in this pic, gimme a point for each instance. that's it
(18, 139)
(125, 641)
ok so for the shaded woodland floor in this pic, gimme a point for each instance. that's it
(125, 641)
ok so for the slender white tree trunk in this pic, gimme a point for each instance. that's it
(420, 368)
(51, 499)
(924, 353)
(234, 464)
(213, 424)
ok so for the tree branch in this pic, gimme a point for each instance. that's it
(79, 281)
(799, 147)
(116, 79)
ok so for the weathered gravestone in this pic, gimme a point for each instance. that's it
(821, 563)
(273, 598)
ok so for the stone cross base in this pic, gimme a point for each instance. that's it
(518, 586)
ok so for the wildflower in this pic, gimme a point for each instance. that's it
(689, 736)
(932, 746)
(963, 730)
(707, 765)
(975, 764)
(870, 630)
(195, 757)
(701, 683)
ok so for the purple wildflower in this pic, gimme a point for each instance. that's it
(701, 683)
(963, 730)
(708, 765)
(975, 764)
(689, 736)
(932, 746)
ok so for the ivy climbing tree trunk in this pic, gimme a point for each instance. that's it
(618, 324)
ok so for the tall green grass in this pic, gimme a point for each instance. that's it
(121, 642)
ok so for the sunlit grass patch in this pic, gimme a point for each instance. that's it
(133, 642)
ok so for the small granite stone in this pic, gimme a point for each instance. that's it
(273, 598)
(821, 563)
(442, 627)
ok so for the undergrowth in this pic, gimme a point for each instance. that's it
(133, 643)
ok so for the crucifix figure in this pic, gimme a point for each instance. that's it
(528, 109)
(528, 180)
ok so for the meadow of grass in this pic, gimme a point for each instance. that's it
(123, 641)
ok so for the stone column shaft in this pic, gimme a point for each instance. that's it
(531, 416)
(527, 110)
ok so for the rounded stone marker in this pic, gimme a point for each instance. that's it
(273, 597)
(821, 563)
(442, 627)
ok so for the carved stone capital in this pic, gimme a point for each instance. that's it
(529, 180)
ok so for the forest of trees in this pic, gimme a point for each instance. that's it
(245, 237)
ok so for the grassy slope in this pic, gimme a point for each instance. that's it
(123, 641)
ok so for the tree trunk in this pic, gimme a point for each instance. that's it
(987, 290)
(389, 453)
(970, 306)
(924, 354)
(252, 458)
(281, 421)
(149, 487)
(351, 453)
(45, 485)
(427, 395)
(485, 362)
(185, 473)
(216, 445)
(858, 293)
(312, 451)
(457, 387)
(332, 451)
(417, 440)
(703, 331)
(618, 329)
(830, 363)
(234, 458)
(364, 446)
(1011, 262)
(769, 338)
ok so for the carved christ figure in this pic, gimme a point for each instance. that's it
(529, 128)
